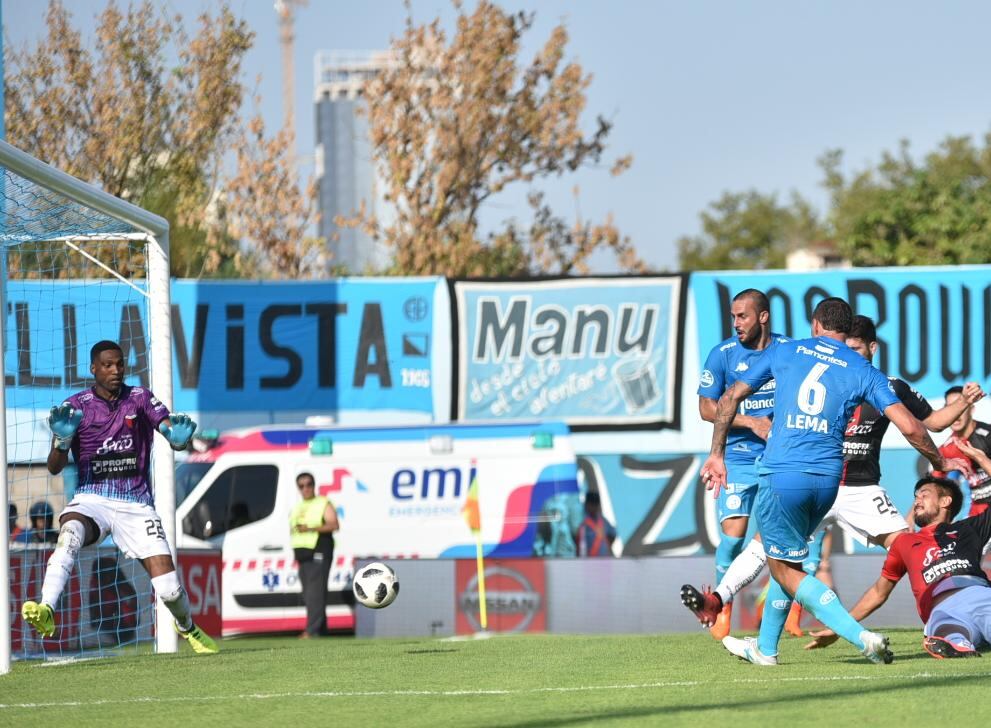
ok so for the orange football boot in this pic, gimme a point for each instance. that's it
(722, 626)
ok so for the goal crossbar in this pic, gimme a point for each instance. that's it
(56, 180)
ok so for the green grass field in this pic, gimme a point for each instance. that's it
(520, 681)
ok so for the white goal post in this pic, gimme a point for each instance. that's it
(129, 223)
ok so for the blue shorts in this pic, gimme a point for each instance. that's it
(736, 500)
(789, 507)
(969, 608)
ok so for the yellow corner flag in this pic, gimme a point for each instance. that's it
(473, 517)
(470, 511)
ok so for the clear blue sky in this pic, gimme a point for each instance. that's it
(708, 96)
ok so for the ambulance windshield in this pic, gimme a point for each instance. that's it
(187, 477)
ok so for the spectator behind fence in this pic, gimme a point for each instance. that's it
(595, 535)
(42, 530)
(12, 528)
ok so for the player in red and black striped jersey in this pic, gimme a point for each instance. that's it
(943, 563)
(971, 440)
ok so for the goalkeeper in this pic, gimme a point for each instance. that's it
(109, 430)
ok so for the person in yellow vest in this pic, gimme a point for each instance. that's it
(312, 524)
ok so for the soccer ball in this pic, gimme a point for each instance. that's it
(375, 586)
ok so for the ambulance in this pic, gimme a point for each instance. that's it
(398, 491)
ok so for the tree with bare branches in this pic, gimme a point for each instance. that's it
(266, 208)
(148, 112)
(456, 122)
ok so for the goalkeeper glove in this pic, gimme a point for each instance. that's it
(180, 432)
(64, 421)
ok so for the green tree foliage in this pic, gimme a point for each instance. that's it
(904, 212)
(749, 230)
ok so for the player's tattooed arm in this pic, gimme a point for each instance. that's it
(714, 469)
(726, 411)
(760, 426)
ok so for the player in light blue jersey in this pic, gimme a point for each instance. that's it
(726, 363)
(819, 381)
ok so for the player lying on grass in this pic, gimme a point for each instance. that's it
(862, 508)
(943, 563)
(109, 430)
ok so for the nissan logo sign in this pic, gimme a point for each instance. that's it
(508, 594)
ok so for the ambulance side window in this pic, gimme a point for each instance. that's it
(239, 496)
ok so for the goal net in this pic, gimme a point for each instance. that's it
(79, 266)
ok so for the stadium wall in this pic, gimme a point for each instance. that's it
(631, 596)
(615, 357)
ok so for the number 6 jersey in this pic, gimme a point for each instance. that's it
(818, 383)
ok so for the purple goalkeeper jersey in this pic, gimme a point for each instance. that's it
(112, 447)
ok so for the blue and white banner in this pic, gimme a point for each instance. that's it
(324, 347)
(591, 351)
(933, 324)
(332, 346)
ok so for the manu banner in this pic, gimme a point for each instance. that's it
(934, 324)
(334, 347)
(589, 351)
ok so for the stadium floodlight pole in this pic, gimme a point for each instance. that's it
(159, 305)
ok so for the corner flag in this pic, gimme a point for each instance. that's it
(473, 517)
(470, 511)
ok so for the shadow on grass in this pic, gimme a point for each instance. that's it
(899, 657)
(911, 683)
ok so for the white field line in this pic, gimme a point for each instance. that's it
(477, 693)
(66, 661)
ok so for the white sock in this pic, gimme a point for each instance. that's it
(63, 559)
(168, 588)
(742, 571)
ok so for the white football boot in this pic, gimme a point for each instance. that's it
(876, 648)
(746, 649)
